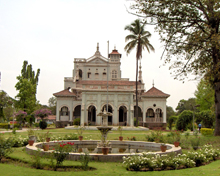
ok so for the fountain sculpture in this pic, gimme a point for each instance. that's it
(104, 129)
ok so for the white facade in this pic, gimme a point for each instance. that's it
(85, 94)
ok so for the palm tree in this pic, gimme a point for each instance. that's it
(139, 39)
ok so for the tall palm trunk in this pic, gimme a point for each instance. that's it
(136, 107)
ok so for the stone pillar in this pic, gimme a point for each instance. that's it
(164, 113)
(83, 109)
(131, 120)
(58, 111)
(115, 120)
(98, 110)
(71, 112)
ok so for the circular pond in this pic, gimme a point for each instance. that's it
(119, 149)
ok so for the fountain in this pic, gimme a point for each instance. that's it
(104, 129)
(94, 147)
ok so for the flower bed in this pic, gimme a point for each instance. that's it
(150, 161)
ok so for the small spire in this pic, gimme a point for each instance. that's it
(114, 47)
(97, 51)
(153, 83)
(97, 46)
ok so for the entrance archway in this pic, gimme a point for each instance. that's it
(109, 110)
(122, 116)
(77, 112)
(91, 115)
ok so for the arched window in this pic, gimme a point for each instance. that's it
(114, 74)
(64, 111)
(159, 112)
(80, 73)
(150, 113)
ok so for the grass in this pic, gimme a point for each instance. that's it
(103, 168)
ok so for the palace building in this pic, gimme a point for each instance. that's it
(86, 94)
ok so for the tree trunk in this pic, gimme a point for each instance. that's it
(217, 109)
(136, 108)
(216, 61)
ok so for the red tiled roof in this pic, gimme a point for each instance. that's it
(64, 93)
(117, 83)
(115, 52)
(154, 92)
(50, 117)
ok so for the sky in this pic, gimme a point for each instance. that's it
(49, 34)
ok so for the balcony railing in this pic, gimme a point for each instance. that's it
(154, 120)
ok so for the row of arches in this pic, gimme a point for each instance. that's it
(151, 115)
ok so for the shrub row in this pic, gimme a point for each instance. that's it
(151, 161)
(206, 131)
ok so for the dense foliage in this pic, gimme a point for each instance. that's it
(27, 87)
(189, 30)
(5, 146)
(171, 121)
(184, 119)
(205, 95)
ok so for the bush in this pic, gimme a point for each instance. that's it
(171, 121)
(18, 141)
(206, 131)
(84, 160)
(151, 161)
(155, 136)
(4, 125)
(36, 124)
(61, 152)
(76, 121)
(184, 119)
(5, 147)
(208, 118)
(37, 159)
(43, 124)
(135, 122)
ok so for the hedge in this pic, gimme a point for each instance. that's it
(206, 131)
(4, 125)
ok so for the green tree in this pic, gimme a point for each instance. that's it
(27, 87)
(171, 121)
(52, 104)
(184, 119)
(170, 112)
(5, 101)
(185, 105)
(138, 38)
(9, 111)
(26, 97)
(205, 95)
(207, 118)
(29, 74)
(190, 31)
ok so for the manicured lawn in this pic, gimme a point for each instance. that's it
(104, 168)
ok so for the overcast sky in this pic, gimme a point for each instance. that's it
(49, 34)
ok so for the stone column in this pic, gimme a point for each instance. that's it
(164, 113)
(58, 111)
(115, 120)
(83, 109)
(131, 120)
(71, 111)
(98, 110)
